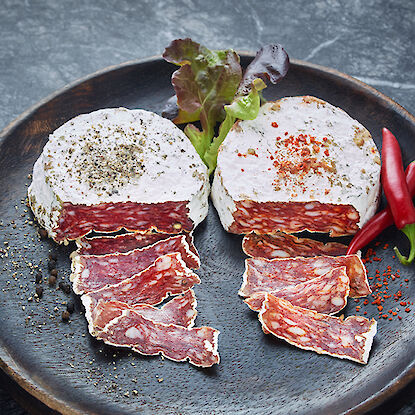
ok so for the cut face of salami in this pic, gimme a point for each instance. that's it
(347, 339)
(117, 168)
(269, 275)
(91, 272)
(301, 164)
(283, 245)
(167, 276)
(180, 310)
(197, 345)
(326, 294)
(102, 245)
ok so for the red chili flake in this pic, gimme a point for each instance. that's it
(239, 155)
(324, 138)
(394, 313)
(326, 152)
(403, 303)
(380, 308)
(286, 133)
(366, 302)
(400, 318)
(385, 316)
(274, 124)
(365, 313)
(385, 246)
(407, 309)
(242, 170)
(406, 280)
(390, 311)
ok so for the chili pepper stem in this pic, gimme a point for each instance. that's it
(409, 231)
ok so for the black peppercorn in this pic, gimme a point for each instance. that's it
(54, 272)
(38, 278)
(51, 264)
(65, 315)
(66, 288)
(53, 256)
(52, 280)
(39, 291)
(70, 307)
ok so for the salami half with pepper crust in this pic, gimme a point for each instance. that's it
(117, 168)
(197, 345)
(326, 294)
(283, 245)
(273, 274)
(302, 164)
(180, 310)
(347, 339)
(102, 245)
(167, 276)
(91, 272)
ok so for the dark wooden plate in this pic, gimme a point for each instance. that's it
(61, 365)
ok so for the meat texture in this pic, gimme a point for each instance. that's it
(91, 272)
(326, 294)
(268, 275)
(283, 245)
(347, 339)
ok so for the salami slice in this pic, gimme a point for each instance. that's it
(118, 169)
(180, 310)
(283, 245)
(92, 272)
(326, 294)
(273, 274)
(347, 339)
(197, 345)
(102, 245)
(167, 276)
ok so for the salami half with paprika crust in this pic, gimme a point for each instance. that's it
(117, 168)
(301, 164)
(326, 294)
(284, 245)
(167, 276)
(102, 245)
(91, 272)
(269, 275)
(347, 339)
(197, 345)
(180, 310)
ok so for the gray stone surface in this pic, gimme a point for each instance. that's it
(47, 44)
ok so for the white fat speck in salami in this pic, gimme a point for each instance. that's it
(91, 272)
(273, 274)
(117, 168)
(283, 245)
(197, 345)
(347, 339)
(150, 286)
(301, 164)
(326, 294)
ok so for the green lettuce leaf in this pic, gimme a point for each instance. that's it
(205, 82)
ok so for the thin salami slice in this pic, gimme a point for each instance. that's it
(197, 345)
(326, 294)
(347, 339)
(180, 310)
(92, 272)
(103, 245)
(167, 276)
(273, 274)
(283, 245)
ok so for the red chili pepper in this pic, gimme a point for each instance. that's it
(381, 220)
(397, 193)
